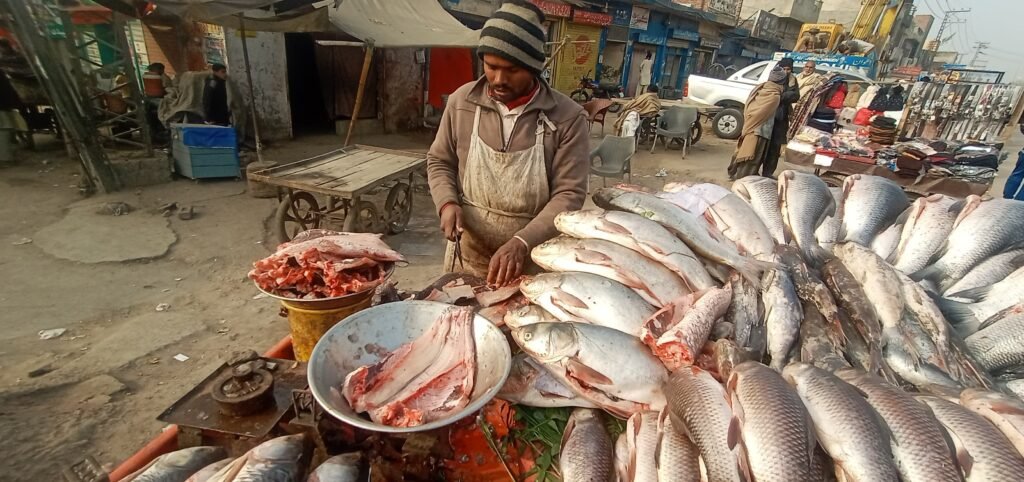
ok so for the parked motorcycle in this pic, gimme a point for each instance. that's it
(589, 89)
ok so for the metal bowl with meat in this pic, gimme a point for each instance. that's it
(369, 336)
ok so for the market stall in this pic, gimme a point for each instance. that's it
(668, 327)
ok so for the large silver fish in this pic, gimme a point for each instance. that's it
(828, 233)
(847, 427)
(611, 369)
(678, 458)
(641, 235)
(988, 272)
(276, 460)
(530, 383)
(677, 333)
(1004, 411)
(998, 344)
(783, 314)
(642, 434)
(928, 224)
(528, 315)
(206, 473)
(739, 222)
(340, 468)
(746, 314)
(919, 445)
(887, 241)
(984, 453)
(588, 298)
(811, 289)
(699, 405)
(776, 430)
(178, 465)
(650, 279)
(691, 229)
(989, 300)
(762, 194)
(982, 230)
(805, 202)
(587, 453)
(869, 205)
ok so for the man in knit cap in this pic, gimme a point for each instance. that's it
(510, 153)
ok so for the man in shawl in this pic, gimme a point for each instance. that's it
(645, 105)
(809, 78)
(765, 123)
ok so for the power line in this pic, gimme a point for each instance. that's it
(948, 18)
(979, 50)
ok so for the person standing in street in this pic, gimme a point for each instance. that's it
(646, 70)
(761, 118)
(510, 153)
(780, 129)
(215, 97)
(1012, 188)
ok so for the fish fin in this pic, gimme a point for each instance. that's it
(586, 374)
(569, 427)
(589, 256)
(904, 216)
(930, 272)
(733, 437)
(566, 301)
(963, 457)
(753, 269)
(611, 227)
(976, 294)
(956, 312)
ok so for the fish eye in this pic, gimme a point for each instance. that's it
(527, 336)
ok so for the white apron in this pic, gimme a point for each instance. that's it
(501, 193)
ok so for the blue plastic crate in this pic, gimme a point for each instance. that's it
(203, 152)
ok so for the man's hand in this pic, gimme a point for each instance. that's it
(507, 263)
(451, 220)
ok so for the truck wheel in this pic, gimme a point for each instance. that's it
(728, 124)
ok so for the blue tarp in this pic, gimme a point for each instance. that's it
(208, 136)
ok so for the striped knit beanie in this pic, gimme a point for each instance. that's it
(515, 33)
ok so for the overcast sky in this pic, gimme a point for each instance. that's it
(1000, 22)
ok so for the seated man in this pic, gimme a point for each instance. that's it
(646, 104)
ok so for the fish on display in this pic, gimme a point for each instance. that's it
(641, 235)
(783, 314)
(869, 205)
(528, 315)
(919, 444)
(726, 354)
(776, 430)
(650, 279)
(739, 222)
(805, 202)
(828, 233)
(622, 455)
(811, 289)
(530, 383)
(698, 404)
(588, 298)
(276, 460)
(678, 331)
(984, 453)
(206, 473)
(1015, 387)
(885, 244)
(177, 465)
(816, 343)
(587, 453)
(340, 468)
(1004, 411)
(989, 300)
(692, 230)
(847, 427)
(928, 224)
(746, 314)
(982, 230)
(762, 194)
(611, 369)
(999, 343)
(642, 435)
(988, 272)
(678, 458)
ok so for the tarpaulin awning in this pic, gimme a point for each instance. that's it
(207, 10)
(402, 23)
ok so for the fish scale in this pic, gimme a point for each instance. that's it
(762, 194)
(846, 425)
(699, 405)
(678, 457)
(990, 454)
(1001, 344)
(828, 233)
(775, 427)
(929, 223)
(989, 271)
(805, 202)
(919, 444)
(588, 298)
(869, 205)
(587, 453)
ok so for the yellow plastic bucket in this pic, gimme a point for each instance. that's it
(309, 325)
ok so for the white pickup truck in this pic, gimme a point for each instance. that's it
(732, 93)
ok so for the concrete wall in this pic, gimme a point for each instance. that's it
(840, 11)
(269, 76)
(402, 92)
(804, 11)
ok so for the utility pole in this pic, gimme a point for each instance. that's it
(947, 20)
(979, 50)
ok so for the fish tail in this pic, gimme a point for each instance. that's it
(976, 294)
(958, 313)
(816, 255)
(752, 270)
(931, 273)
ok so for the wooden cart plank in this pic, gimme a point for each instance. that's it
(381, 170)
(307, 162)
(344, 173)
(322, 168)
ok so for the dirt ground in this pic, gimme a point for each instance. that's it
(97, 389)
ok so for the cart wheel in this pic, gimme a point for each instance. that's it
(298, 212)
(696, 132)
(398, 207)
(364, 218)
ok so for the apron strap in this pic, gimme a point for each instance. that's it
(476, 122)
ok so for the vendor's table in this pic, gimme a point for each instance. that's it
(840, 168)
(343, 176)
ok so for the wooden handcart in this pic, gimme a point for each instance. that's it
(343, 177)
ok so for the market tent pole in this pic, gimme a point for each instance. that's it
(252, 91)
(360, 91)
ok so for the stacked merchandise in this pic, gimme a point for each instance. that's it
(882, 130)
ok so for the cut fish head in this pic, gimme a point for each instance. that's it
(547, 342)
(535, 286)
(287, 448)
(527, 315)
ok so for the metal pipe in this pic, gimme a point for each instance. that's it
(252, 90)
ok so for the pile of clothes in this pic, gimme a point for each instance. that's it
(883, 130)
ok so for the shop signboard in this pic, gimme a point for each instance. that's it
(724, 7)
(685, 35)
(591, 18)
(578, 58)
(621, 15)
(640, 18)
(553, 9)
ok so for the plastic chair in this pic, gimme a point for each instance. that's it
(615, 154)
(597, 110)
(676, 123)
